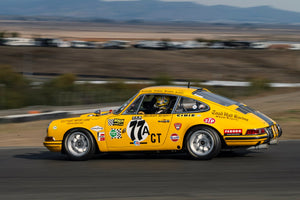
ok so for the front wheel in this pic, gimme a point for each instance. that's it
(203, 143)
(79, 145)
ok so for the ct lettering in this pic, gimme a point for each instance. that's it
(155, 137)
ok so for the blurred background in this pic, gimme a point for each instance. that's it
(95, 52)
(62, 58)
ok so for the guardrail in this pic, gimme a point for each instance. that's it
(144, 80)
(48, 115)
(33, 117)
(205, 83)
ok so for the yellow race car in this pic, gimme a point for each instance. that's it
(164, 118)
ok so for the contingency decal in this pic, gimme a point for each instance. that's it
(209, 120)
(138, 131)
(115, 133)
(233, 131)
(177, 126)
(185, 115)
(174, 137)
(97, 128)
(226, 115)
(115, 122)
(136, 117)
(101, 136)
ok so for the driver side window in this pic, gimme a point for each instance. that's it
(157, 104)
(132, 109)
(152, 104)
(186, 105)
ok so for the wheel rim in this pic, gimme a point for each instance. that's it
(201, 143)
(78, 144)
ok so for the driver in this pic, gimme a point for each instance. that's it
(161, 104)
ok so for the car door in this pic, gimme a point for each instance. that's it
(140, 127)
(187, 113)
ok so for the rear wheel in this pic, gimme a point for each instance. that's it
(79, 145)
(203, 143)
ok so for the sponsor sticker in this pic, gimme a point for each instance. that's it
(185, 115)
(177, 126)
(115, 133)
(115, 122)
(97, 128)
(174, 137)
(233, 131)
(227, 115)
(164, 121)
(136, 117)
(101, 136)
(209, 120)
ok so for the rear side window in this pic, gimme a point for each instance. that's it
(215, 98)
(186, 105)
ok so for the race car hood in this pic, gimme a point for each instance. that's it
(97, 113)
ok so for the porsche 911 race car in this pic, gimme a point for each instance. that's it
(164, 118)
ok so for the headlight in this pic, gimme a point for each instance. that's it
(49, 139)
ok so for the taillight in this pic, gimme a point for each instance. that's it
(256, 131)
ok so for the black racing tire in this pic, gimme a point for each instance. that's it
(79, 145)
(203, 143)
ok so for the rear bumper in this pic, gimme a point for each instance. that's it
(264, 146)
(270, 137)
(54, 146)
(274, 132)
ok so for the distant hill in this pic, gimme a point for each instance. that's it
(145, 10)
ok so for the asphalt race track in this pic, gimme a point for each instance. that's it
(36, 173)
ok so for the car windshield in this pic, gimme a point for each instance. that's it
(119, 110)
(215, 98)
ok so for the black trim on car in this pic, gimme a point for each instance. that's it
(265, 118)
(224, 101)
(246, 109)
(246, 138)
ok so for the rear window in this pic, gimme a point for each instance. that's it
(215, 98)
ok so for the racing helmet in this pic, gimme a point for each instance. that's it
(162, 102)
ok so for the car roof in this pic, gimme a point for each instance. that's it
(182, 90)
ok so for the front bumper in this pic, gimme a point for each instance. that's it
(54, 146)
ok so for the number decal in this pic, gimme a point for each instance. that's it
(138, 130)
(131, 127)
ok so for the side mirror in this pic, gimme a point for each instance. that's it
(97, 112)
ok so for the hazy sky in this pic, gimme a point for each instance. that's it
(292, 5)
